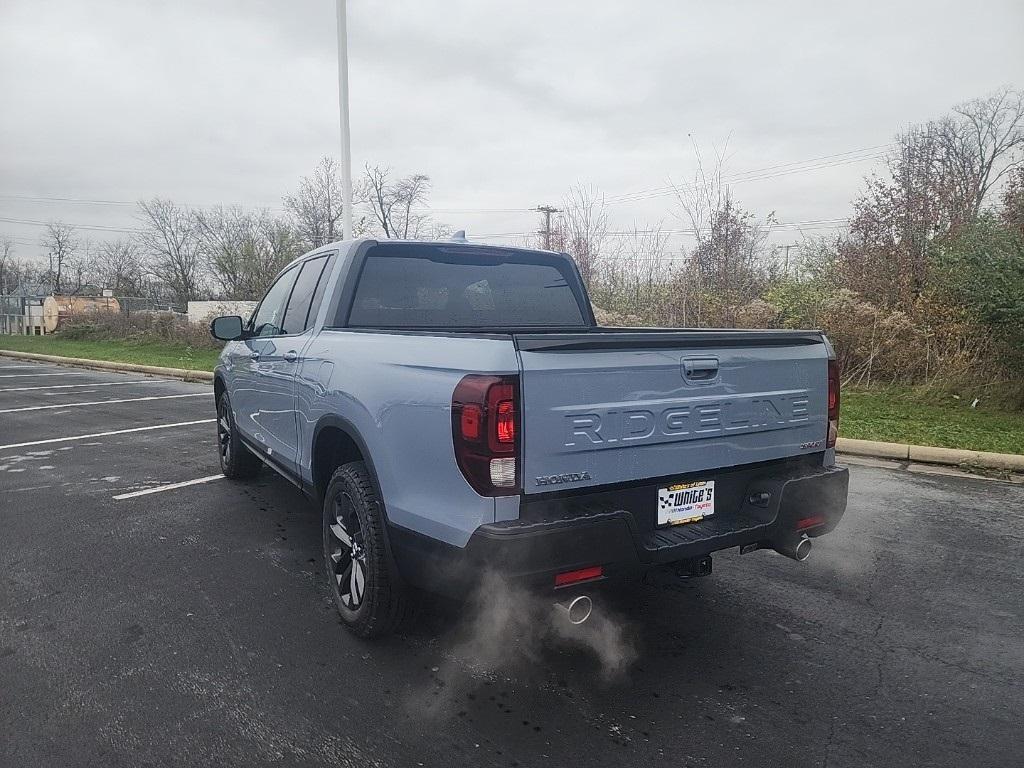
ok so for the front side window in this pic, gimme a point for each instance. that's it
(297, 314)
(268, 319)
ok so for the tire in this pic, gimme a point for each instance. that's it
(361, 574)
(236, 461)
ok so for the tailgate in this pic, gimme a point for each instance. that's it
(618, 406)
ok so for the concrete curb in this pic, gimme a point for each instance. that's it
(930, 455)
(105, 365)
(898, 451)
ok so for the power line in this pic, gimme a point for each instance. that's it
(473, 210)
(842, 221)
(738, 178)
(499, 234)
(809, 224)
(777, 226)
(91, 227)
(43, 199)
(103, 228)
(841, 157)
(768, 172)
(783, 169)
(132, 203)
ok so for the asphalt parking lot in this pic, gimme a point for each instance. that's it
(146, 619)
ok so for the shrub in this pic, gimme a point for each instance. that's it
(139, 327)
(983, 270)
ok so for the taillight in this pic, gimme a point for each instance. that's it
(810, 522)
(833, 403)
(485, 431)
(575, 577)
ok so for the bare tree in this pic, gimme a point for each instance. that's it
(1012, 208)
(938, 180)
(282, 244)
(633, 280)
(119, 267)
(18, 274)
(982, 142)
(730, 253)
(60, 244)
(393, 202)
(582, 229)
(171, 246)
(6, 258)
(84, 266)
(316, 206)
(436, 230)
(244, 249)
(228, 245)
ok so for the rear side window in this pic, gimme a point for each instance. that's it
(296, 317)
(403, 286)
(321, 288)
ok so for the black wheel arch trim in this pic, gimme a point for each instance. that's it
(335, 421)
(219, 382)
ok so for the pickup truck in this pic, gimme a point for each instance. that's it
(454, 408)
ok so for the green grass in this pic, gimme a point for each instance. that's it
(892, 415)
(899, 415)
(143, 353)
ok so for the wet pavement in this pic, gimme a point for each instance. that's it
(192, 626)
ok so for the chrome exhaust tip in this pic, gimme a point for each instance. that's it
(577, 610)
(797, 549)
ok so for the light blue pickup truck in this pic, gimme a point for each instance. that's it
(455, 408)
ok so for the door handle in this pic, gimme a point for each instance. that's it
(290, 356)
(700, 369)
(254, 355)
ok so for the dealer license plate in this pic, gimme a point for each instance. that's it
(686, 502)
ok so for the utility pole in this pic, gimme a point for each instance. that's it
(547, 210)
(346, 148)
(785, 262)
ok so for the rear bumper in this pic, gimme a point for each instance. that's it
(579, 532)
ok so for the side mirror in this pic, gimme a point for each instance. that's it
(227, 328)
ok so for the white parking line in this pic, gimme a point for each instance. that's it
(27, 375)
(72, 386)
(104, 402)
(106, 434)
(22, 367)
(171, 487)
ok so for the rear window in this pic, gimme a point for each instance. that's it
(403, 286)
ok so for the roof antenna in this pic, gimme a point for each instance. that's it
(459, 237)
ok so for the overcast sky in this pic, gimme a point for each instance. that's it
(504, 104)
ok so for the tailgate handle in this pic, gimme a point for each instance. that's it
(700, 368)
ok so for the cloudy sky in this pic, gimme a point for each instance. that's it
(505, 105)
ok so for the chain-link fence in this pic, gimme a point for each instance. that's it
(19, 315)
(12, 325)
(25, 315)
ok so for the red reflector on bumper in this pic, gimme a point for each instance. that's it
(810, 522)
(574, 577)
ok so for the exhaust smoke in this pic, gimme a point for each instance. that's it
(507, 624)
